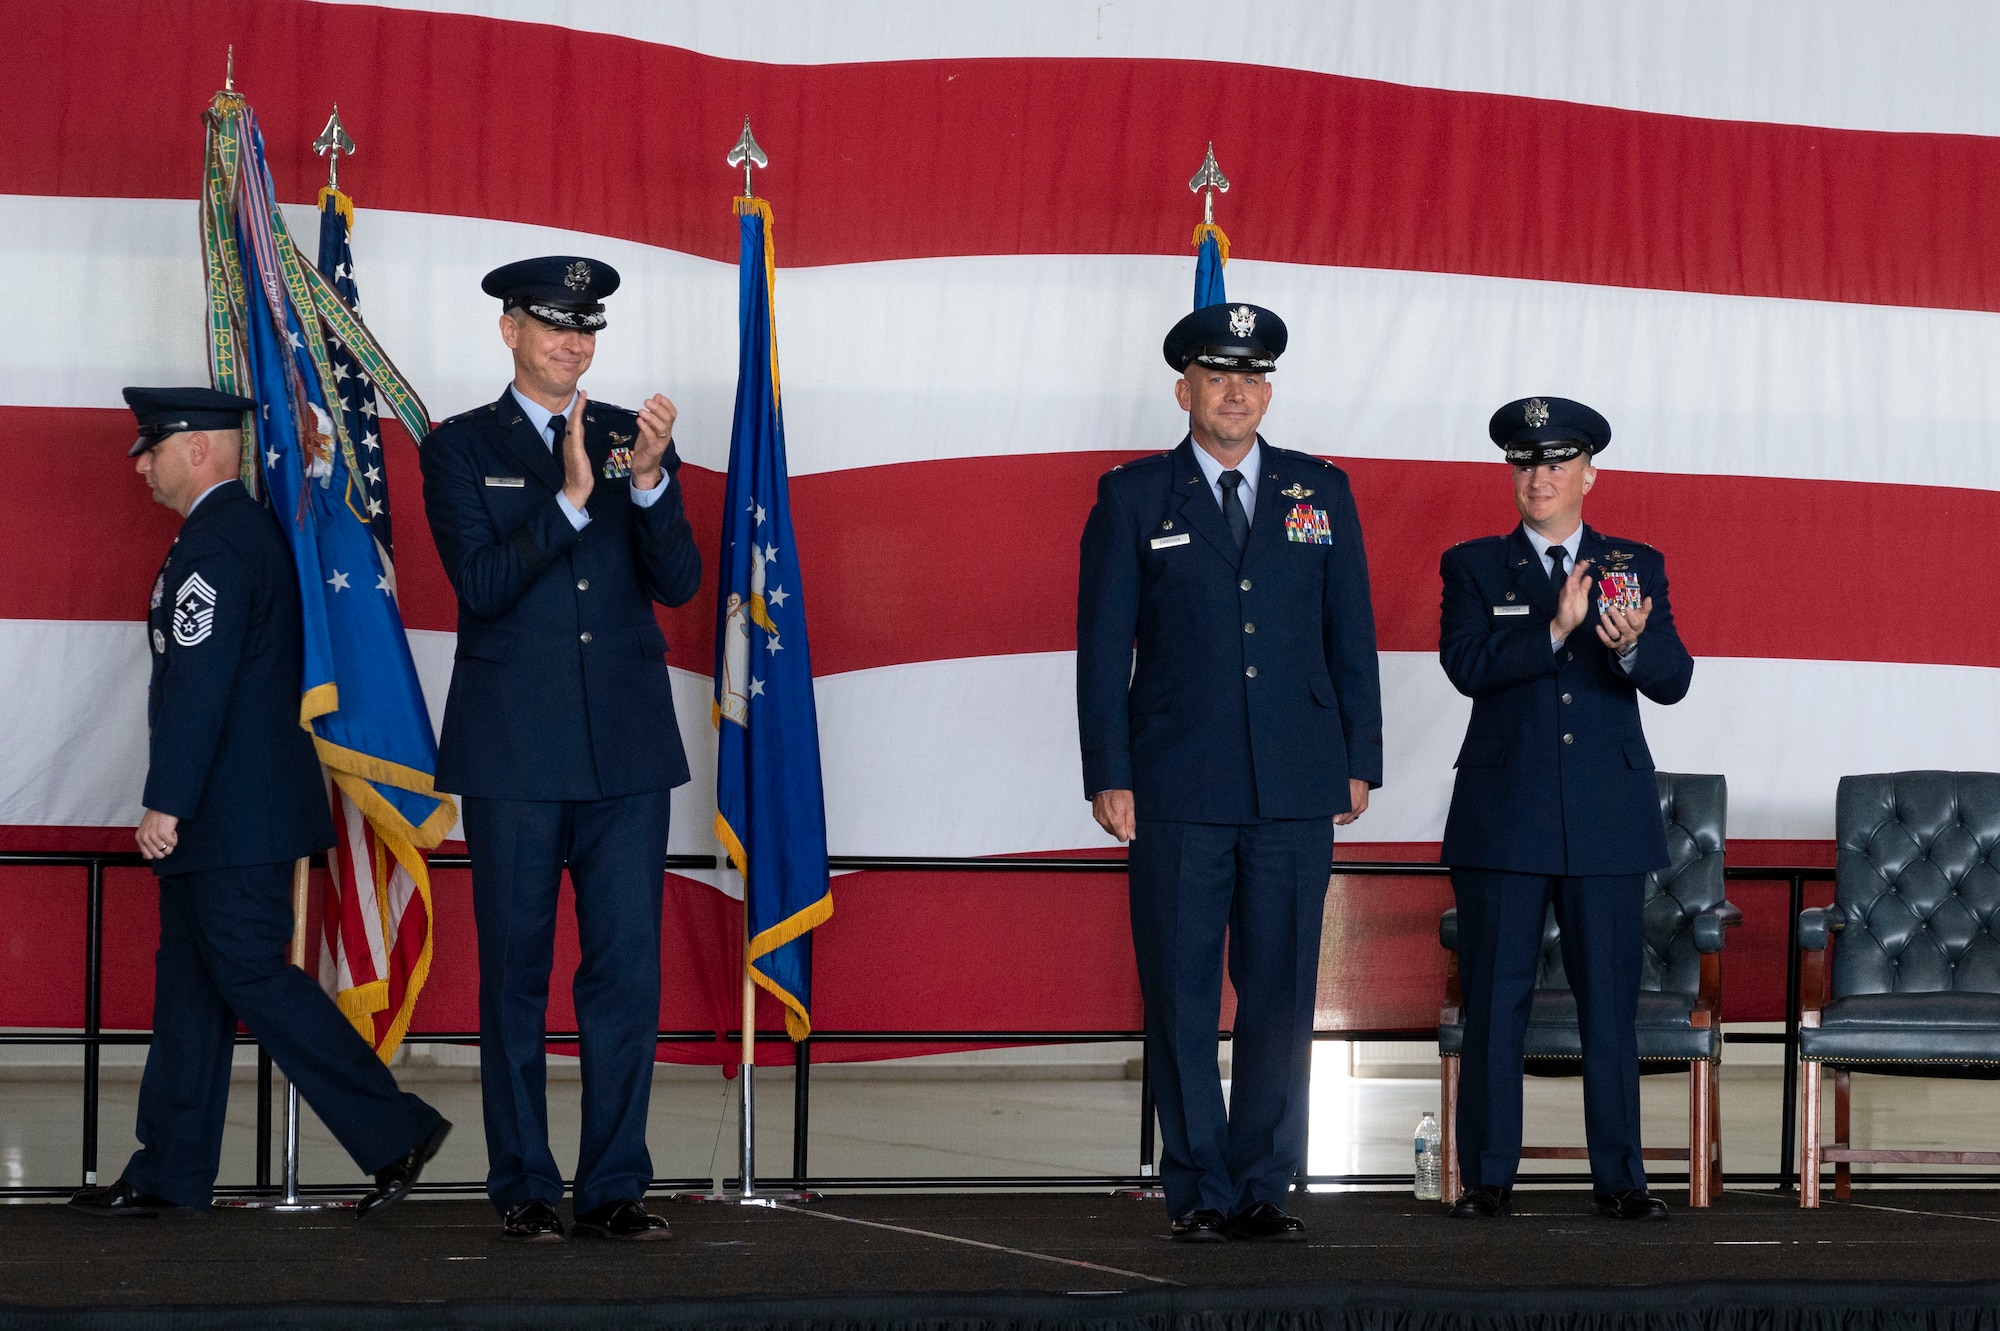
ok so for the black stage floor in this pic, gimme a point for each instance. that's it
(1374, 1260)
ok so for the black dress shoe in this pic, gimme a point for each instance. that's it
(1632, 1204)
(1203, 1226)
(532, 1222)
(1482, 1203)
(122, 1201)
(1267, 1222)
(628, 1222)
(394, 1183)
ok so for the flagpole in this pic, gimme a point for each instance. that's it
(747, 1194)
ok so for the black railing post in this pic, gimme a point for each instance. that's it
(1145, 1108)
(93, 1016)
(263, 1119)
(801, 1107)
(1788, 1113)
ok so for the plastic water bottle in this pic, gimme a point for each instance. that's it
(1430, 1159)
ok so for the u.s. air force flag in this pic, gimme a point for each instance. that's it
(770, 805)
(281, 333)
(1211, 253)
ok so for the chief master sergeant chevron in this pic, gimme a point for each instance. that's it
(560, 523)
(1250, 723)
(1555, 796)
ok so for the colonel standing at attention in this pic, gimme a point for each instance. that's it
(1554, 631)
(560, 524)
(1246, 725)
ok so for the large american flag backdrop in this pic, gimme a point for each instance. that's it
(1764, 240)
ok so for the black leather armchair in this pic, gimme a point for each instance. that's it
(1680, 991)
(1913, 988)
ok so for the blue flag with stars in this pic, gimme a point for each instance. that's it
(280, 332)
(770, 804)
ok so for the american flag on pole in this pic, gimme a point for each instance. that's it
(1760, 238)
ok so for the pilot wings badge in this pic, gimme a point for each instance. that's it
(1295, 491)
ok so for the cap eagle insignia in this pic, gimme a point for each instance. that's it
(578, 276)
(1242, 321)
(1536, 412)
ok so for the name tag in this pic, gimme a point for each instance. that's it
(1162, 542)
(1512, 609)
(507, 482)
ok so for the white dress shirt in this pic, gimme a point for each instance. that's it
(1213, 470)
(539, 416)
(1570, 545)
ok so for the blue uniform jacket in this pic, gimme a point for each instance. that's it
(560, 688)
(1554, 776)
(227, 755)
(1255, 694)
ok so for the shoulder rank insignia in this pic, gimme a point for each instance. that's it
(1308, 525)
(618, 462)
(1295, 491)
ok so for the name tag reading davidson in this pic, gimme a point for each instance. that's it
(1162, 542)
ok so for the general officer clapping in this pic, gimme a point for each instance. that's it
(560, 525)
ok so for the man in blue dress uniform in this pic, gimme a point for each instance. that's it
(233, 797)
(1249, 724)
(560, 524)
(1555, 797)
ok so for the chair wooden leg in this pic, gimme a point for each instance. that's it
(1448, 1100)
(1843, 1173)
(1715, 1129)
(1700, 1088)
(1809, 1138)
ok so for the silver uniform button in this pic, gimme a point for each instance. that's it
(1243, 585)
(586, 638)
(1250, 672)
(1565, 697)
(583, 584)
(1249, 628)
(1569, 739)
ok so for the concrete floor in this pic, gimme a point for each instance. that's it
(991, 1117)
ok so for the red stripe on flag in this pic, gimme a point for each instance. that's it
(898, 160)
(1760, 567)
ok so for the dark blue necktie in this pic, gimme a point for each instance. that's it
(557, 425)
(1232, 508)
(1556, 575)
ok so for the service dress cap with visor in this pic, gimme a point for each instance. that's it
(561, 290)
(1247, 339)
(165, 411)
(1535, 430)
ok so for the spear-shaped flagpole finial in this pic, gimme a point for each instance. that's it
(229, 71)
(330, 144)
(745, 154)
(1209, 179)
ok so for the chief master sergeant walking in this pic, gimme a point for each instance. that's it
(233, 797)
(1555, 797)
(1250, 723)
(560, 524)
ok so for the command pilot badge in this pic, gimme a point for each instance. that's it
(1308, 525)
(618, 462)
(194, 611)
(1619, 591)
(1296, 491)
(1242, 321)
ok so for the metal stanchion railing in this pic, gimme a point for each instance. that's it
(93, 1039)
